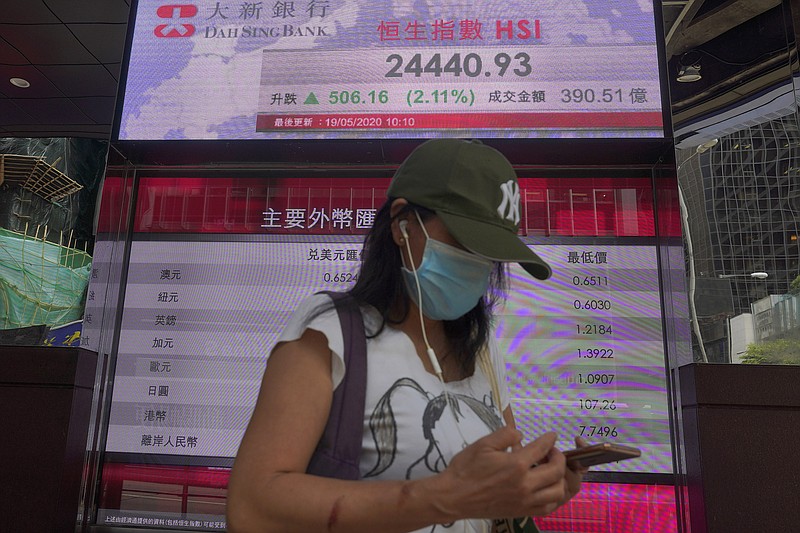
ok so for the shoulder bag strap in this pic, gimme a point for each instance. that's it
(339, 450)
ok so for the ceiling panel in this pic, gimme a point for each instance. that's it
(27, 12)
(99, 108)
(10, 55)
(47, 44)
(53, 110)
(81, 80)
(105, 11)
(114, 68)
(10, 113)
(106, 42)
(40, 87)
(73, 83)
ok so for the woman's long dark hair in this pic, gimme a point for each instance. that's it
(380, 284)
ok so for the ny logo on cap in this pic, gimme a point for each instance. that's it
(509, 207)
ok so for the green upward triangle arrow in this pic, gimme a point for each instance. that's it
(311, 99)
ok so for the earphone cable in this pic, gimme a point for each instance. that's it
(431, 354)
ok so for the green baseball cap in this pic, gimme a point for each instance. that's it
(473, 189)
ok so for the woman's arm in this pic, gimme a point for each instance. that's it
(270, 491)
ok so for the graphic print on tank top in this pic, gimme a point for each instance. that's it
(384, 426)
(387, 432)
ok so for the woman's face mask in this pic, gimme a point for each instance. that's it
(451, 280)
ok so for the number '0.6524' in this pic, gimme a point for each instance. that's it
(343, 277)
(471, 65)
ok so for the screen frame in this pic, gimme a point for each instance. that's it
(657, 240)
(548, 151)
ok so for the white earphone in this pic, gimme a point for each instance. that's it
(431, 355)
(402, 225)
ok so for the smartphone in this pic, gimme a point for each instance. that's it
(598, 454)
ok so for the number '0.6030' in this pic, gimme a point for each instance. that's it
(598, 305)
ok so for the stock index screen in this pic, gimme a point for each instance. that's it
(392, 69)
(218, 265)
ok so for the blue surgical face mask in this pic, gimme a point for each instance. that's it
(452, 280)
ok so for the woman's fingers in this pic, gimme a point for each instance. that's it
(550, 494)
(500, 440)
(535, 452)
(495, 477)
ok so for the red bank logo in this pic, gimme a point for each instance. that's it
(175, 13)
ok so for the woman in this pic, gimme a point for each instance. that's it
(439, 453)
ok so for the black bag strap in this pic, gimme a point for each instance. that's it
(338, 452)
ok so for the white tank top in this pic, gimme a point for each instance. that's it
(409, 433)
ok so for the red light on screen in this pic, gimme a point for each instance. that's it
(598, 508)
(593, 207)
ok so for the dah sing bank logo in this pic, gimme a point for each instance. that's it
(176, 13)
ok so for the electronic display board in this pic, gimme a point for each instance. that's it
(394, 69)
(216, 267)
(584, 350)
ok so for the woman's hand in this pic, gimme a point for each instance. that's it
(496, 477)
